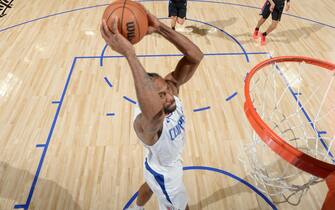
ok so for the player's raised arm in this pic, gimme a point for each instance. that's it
(192, 54)
(146, 92)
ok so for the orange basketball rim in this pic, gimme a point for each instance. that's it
(291, 154)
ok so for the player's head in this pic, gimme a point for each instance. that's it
(165, 93)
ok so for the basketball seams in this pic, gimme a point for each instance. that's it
(113, 12)
(137, 6)
(123, 6)
(135, 13)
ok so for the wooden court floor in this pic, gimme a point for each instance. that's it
(66, 113)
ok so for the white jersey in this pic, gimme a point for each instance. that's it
(167, 151)
(163, 167)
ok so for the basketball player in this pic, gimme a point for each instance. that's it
(161, 123)
(177, 12)
(275, 7)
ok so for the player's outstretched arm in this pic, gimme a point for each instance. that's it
(147, 95)
(192, 54)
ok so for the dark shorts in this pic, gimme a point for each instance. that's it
(277, 11)
(177, 8)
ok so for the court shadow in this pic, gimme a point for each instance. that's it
(221, 194)
(287, 36)
(294, 35)
(209, 30)
(238, 187)
(247, 38)
(11, 188)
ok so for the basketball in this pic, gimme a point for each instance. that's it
(132, 19)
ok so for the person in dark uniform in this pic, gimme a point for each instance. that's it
(275, 8)
(177, 12)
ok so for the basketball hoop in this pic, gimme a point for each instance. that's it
(275, 107)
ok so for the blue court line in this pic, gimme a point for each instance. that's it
(324, 144)
(198, 21)
(130, 100)
(21, 206)
(201, 109)
(51, 15)
(258, 8)
(102, 54)
(322, 132)
(231, 96)
(143, 1)
(32, 189)
(130, 200)
(226, 33)
(55, 102)
(174, 55)
(231, 37)
(310, 20)
(40, 145)
(26, 205)
(108, 82)
(110, 114)
(207, 168)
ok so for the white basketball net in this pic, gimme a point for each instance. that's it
(297, 101)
